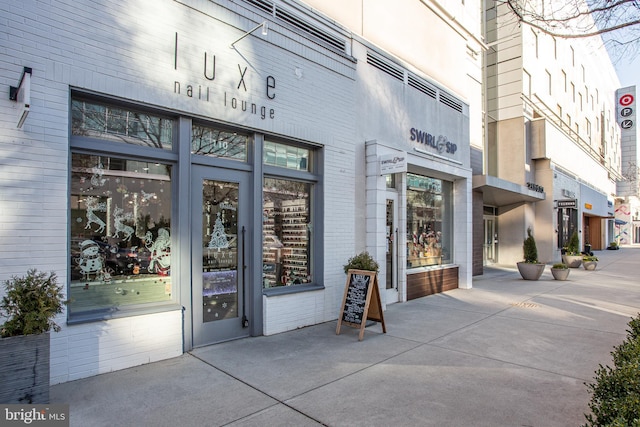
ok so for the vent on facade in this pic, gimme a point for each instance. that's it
(449, 101)
(387, 67)
(299, 23)
(310, 29)
(422, 86)
(263, 5)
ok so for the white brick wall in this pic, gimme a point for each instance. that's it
(127, 51)
(96, 348)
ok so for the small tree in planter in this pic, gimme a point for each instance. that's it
(30, 304)
(530, 268)
(573, 258)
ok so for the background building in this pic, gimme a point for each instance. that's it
(552, 150)
(627, 203)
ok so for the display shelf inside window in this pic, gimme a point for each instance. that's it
(295, 237)
(285, 243)
(271, 247)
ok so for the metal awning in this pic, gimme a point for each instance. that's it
(500, 192)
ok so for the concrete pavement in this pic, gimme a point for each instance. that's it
(508, 352)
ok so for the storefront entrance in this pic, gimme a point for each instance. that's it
(220, 218)
(391, 278)
(490, 240)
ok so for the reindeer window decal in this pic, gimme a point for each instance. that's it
(120, 238)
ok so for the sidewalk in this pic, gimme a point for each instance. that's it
(508, 352)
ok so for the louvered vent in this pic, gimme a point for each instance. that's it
(385, 66)
(422, 86)
(310, 29)
(299, 23)
(264, 5)
(449, 101)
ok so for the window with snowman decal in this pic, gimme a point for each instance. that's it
(120, 233)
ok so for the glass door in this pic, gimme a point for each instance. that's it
(391, 229)
(220, 210)
(490, 240)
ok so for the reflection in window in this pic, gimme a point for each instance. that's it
(120, 233)
(286, 240)
(218, 143)
(429, 221)
(95, 120)
(286, 156)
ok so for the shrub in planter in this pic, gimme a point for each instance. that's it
(589, 262)
(560, 271)
(572, 256)
(362, 261)
(30, 304)
(615, 397)
(530, 268)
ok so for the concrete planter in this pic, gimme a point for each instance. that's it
(572, 261)
(560, 273)
(589, 265)
(24, 369)
(530, 271)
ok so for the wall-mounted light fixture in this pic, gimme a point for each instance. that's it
(21, 94)
(265, 30)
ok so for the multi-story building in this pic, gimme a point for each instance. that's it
(552, 148)
(200, 171)
(627, 203)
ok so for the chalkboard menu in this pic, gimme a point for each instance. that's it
(361, 301)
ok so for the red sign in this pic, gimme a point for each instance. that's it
(626, 100)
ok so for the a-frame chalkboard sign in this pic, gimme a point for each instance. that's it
(361, 301)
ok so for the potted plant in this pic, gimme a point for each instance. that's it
(613, 246)
(530, 268)
(572, 257)
(362, 261)
(560, 271)
(589, 262)
(30, 304)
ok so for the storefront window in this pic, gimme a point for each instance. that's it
(120, 240)
(218, 143)
(286, 156)
(95, 120)
(429, 221)
(286, 241)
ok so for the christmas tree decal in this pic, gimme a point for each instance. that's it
(218, 237)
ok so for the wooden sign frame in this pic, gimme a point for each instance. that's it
(361, 301)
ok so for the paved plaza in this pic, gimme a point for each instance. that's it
(508, 352)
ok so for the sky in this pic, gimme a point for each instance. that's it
(629, 72)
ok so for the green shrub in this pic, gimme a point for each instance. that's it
(560, 266)
(30, 304)
(615, 397)
(530, 249)
(362, 261)
(573, 248)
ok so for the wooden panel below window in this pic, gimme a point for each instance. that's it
(431, 282)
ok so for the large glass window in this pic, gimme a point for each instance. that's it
(429, 221)
(96, 120)
(120, 233)
(214, 142)
(286, 222)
